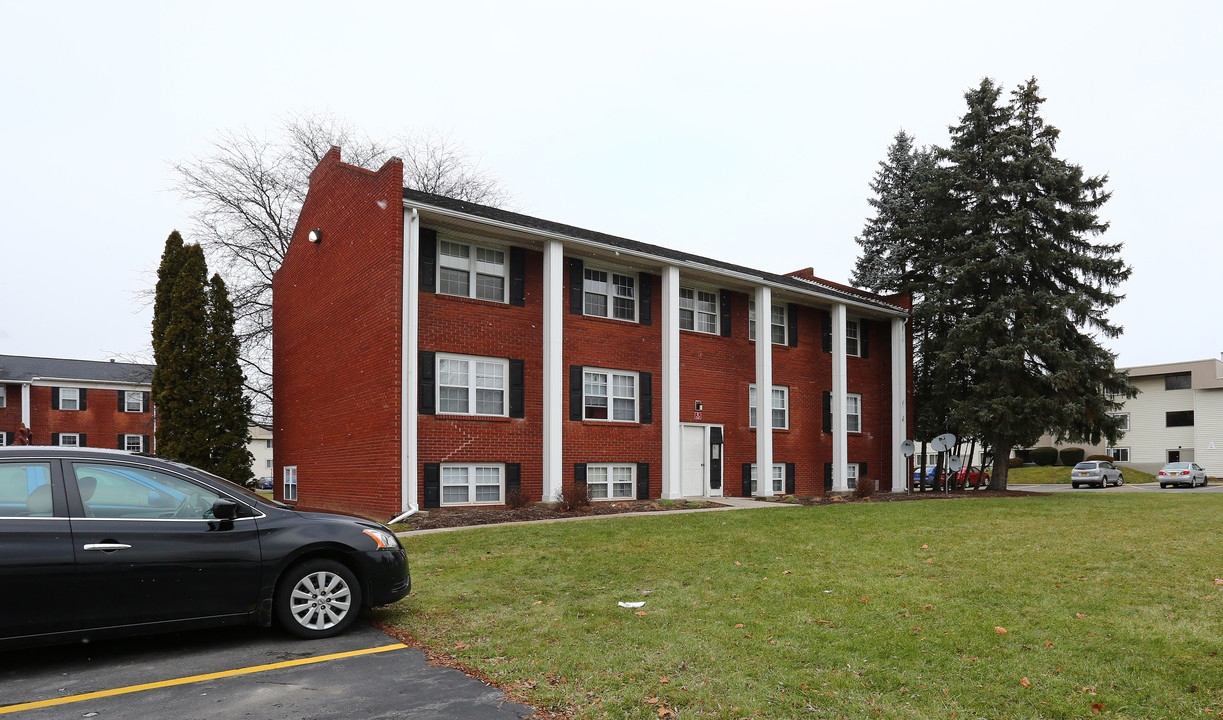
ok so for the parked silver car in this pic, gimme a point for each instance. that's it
(1096, 472)
(1182, 473)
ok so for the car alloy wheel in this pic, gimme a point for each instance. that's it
(318, 599)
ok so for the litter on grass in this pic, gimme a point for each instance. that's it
(631, 604)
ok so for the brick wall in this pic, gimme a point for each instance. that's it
(337, 334)
(101, 421)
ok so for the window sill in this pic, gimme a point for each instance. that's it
(614, 423)
(775, 430)
(476, 418)
(616, 321)
(470, 300)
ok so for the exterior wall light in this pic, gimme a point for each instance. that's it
(315, 236)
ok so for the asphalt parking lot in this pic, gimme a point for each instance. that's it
(242, 673)
(1214, 487)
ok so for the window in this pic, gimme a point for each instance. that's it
(133, 401)
(853, 413)
(268, 443)
(851, 475)
(1180, 418)
(69, 399)
(290, 482)
(267, 463)
(471, 271)
(698, 310)
(133, 443)
(777, 319)
(779, 407)
(472, 484)
(1178, 381)
(1125, 420)
(2, 396)
(25, 489)
(471, 385)
(609, 294)
(123, 491)
(779, 478)
(604, 389)
(1118, 454)
(69, 440)
(852, 347)
(611, 482)
(3, 439)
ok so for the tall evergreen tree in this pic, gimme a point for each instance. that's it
(171, 261)
(231, 409)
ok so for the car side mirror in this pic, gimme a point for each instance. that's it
(224, 509)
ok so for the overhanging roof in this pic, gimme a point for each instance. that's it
(21, 369)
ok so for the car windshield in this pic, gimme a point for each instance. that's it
(1176, 466)
(1085, 466)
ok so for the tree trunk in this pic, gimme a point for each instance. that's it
(1002, 462)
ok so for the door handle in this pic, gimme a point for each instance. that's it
(106, 547)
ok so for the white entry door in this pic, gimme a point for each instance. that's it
(694, 464)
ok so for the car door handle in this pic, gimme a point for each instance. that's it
(106, 547)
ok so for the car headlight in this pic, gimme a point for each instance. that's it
(385, 539)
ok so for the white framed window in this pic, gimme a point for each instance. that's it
(267, 463)
(1118, 454)
(609, 395)
(777, 323)
(698, 310)
(779, 478)
(472, 484)
(133, 401)
(3, 399)
(1125, 419)
(609, 294)
(3, 439)
(268, 443)
(133, 443)
(471, 271)
(852, 347)
(851, 475)
(779, 406)
(69, 440)
(611, 482)
(468, 385)
(853, 413)
(290, 482)
(69, 399)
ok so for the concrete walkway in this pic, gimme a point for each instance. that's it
(727, 503)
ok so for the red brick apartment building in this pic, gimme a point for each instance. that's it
(432, 352)
(76, 402)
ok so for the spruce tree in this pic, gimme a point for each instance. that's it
(230, 407)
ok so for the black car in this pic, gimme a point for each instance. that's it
(100, 543)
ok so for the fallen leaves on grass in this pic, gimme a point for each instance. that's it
(1097, 707)
(1025, 682)
(1000, 630)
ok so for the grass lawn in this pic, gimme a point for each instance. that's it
(872, 610)
(1054, 474)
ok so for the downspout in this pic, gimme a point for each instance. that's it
(407, 370)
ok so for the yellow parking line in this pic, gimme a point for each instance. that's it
(193, 679)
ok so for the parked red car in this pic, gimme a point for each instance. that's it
(971, 477)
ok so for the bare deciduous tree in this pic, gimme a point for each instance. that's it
(249, 190)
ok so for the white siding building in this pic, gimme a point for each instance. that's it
(260, 447)
(1177, 416)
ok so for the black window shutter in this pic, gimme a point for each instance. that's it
(643, 481)
(84, 404)
(428, 260)
(790, 474)
(55, 402)
(724, 311)
(122, 441)
(54, 436)
(145, 446)
(426, 373)
(863, 336)
(148, 403)
(577, 279)
(513, 477)
(792, 324)
(518, 274)
(747, 479)
(827, 411)
(579, 475)
(433, 485)
(827, 477)
(826, 318)
(646, 294)
(575, 392)
(82, 439)
(122, 400)
(862, 472)
(517, 400)
(8, 438)
(647, 398)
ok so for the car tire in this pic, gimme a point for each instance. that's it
(1074, 485)
(1120, 480)
(317, 599)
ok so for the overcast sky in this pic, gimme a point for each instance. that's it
(743, 131)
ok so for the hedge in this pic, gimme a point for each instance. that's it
(1044, 456)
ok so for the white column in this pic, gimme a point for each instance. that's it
(410, 349)
(840, 435)
(764, 392)
(25, 404)
(671, 466)
(554, 369)
(900, 405)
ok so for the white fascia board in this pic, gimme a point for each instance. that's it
(889, 310)
(87, 384)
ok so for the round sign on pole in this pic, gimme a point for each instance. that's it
(943, 442)
(907, 448)
(954, 463)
